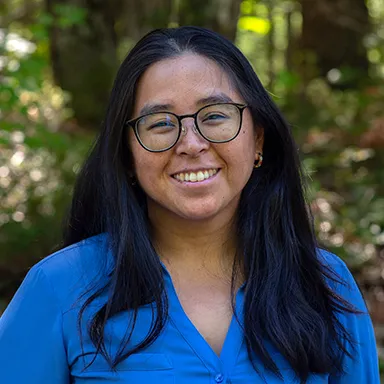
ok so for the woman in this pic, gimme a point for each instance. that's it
(189, 254)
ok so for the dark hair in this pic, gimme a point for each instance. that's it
(287, 299)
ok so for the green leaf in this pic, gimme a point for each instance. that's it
(70, 15)
(289, 80)
(45, 19)
(4, 141)
(9, 126)
(34, 142)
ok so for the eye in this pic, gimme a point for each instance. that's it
(162, 124)
(159, 122)
(213, 117)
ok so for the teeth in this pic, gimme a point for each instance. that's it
(200, 176)
(196, 176)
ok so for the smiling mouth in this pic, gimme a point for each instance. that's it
(194, 177)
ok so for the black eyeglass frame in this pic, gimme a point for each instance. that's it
(133, 124)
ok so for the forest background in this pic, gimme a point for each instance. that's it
(322, 61)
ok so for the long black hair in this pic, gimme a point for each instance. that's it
(288, 301)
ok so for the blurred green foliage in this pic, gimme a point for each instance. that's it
(38, 161)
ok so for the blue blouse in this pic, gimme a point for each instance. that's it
(40, 344)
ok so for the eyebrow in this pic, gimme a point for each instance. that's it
(213, 99)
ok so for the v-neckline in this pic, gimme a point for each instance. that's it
(233, 339)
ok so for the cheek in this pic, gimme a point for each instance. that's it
(145, 169)
(246, 146)
(139, 154)
(248, 131)
(149, 168)
(146, 177)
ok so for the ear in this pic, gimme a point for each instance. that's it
(259, 142)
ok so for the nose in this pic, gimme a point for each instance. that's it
(190, 142)
(184, 129)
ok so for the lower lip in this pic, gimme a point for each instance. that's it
(196, 183)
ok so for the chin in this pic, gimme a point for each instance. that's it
(202, 212)
(199, 216)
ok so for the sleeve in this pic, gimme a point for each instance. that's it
(363, 368)
(31, 341)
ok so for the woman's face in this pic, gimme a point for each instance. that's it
(184, 84)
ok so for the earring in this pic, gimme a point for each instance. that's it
(132, 179)
(259, 161)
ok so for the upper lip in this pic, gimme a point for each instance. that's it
(189, 170)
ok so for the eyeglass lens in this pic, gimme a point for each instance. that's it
(217, 123)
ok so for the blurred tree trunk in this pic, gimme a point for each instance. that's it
(138, 17)
(84, 57)
(271, 48)
(218, 15)
(291, 39)
(334, 30)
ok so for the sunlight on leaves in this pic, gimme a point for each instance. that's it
(254, 24)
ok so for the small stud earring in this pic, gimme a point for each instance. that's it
(259, 161)
(132, 179)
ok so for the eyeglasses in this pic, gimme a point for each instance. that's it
(160, 131)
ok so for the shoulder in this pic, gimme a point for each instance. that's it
(84, 256)
(74, 269)
(341, 280)
(333, 266)
(330, 259)
(361, 364)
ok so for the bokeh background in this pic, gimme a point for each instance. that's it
(322, 61)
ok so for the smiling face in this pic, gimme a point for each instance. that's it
(195, 179)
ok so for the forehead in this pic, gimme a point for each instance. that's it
(182, 82)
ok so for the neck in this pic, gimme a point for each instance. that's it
(194, 245)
